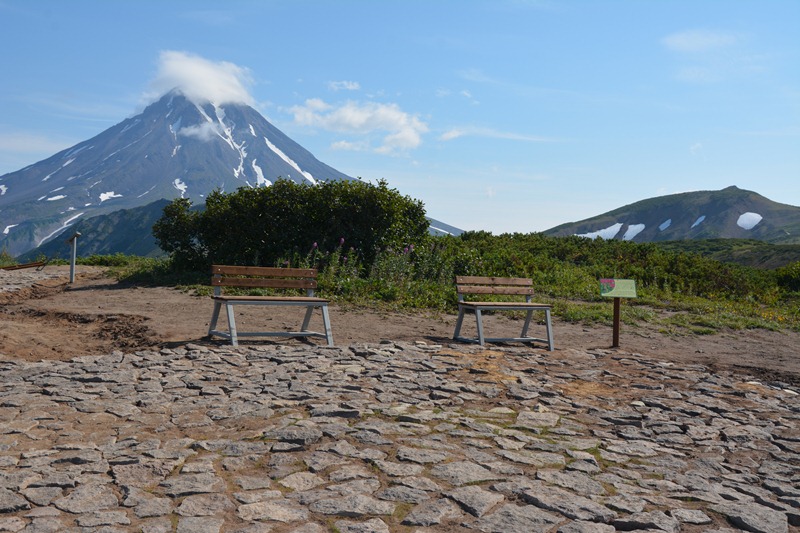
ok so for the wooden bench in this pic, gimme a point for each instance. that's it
(272, 278)
(476, 285)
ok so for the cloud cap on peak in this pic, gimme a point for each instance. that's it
(201, 80)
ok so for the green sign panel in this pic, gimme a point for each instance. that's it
(618, 288)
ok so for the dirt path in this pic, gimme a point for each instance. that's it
(51, 319)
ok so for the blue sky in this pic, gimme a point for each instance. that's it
(500, 115)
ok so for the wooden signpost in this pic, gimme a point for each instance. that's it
(617, 289)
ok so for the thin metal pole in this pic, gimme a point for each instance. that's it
(615, 343)
(74, 241)
(72, 263)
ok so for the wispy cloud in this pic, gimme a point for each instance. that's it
(711, 56)
(699, 40)
(491, 133)
(401, 131)
(32, 143)
(344, 85)
(201, 80)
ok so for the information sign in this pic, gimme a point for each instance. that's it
(618, 288)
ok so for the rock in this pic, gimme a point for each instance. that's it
(87, 499)
(188, 484)
(357, 505)
(650, 520)
(301, 481)
(11, 502)
(475, 500)
(753, 517)
(432, 513)
(512, 518)
(567, 503)
(277, 510)
(463, 472)
(374, 525)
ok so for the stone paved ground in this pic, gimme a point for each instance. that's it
(393, 438)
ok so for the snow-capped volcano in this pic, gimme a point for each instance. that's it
(175, 148)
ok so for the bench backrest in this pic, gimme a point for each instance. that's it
(493, 285)
(263, 277)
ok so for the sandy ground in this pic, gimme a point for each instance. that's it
(43, 316)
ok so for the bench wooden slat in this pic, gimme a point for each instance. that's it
(272, 283)
(492, 280)
(232, 270)
(297, 299)
(485, 289)
(507, 305)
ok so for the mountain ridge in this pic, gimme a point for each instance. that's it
(728, 213)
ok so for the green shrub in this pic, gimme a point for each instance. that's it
(265, 225)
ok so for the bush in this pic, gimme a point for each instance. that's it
(265, 225)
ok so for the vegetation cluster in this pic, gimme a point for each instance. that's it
(371, 247)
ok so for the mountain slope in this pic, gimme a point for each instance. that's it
(729, 213)
(125, 231)
(174, 148)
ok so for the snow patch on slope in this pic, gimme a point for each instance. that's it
(8, 228)
(291, 163)
(607, 233)
(260, 179)
(57, 197)
(632, 231)
(65, 225)
(699, 221)
(3, 190)
(664, 225)
(749, 220)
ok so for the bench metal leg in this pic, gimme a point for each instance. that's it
(550, 346)
(214, 317)
(326, 321)
(232, 325)
(307, 318)
(459, 321)
(527, 323)
(479, 320)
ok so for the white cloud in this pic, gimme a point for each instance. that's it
(402, 130)
(201, 80)
(471, 131)
(696, 148)
(344, 85)
(204, 131)
(698, 40)
(350, 146)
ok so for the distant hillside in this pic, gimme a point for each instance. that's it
(127, 231)
(731, 213)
